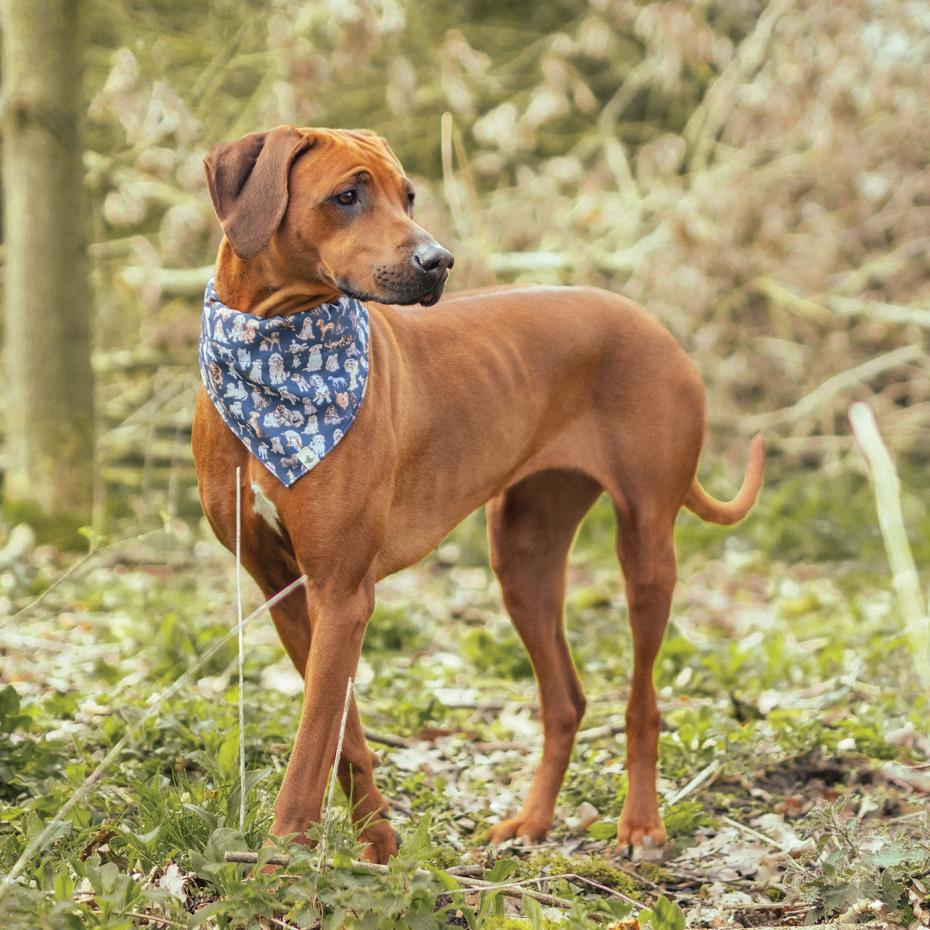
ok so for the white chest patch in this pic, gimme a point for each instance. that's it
(264, 508)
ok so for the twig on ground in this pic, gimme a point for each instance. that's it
(573, 877)
(482, 705)
(250, 858)
(749, 831)
(518, 889)
(765, 906)
(247, 857)
(386, 739)
(603, 732)
(154, 918)
(704, 776)
(512, 889)
(910, 778)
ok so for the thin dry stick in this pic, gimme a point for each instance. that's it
(241, 654)
(707, 121)
(789, 859)
(891, 520)
(93, 551)
(387, 739)
(152, 918)
(449, 184)
(520, 888)
(825, 392)
(38, 842)
(698, 781)
(574, 877)
(331, 788)
(247, 857)
(513, 889)
(602, 732)
(765, 906)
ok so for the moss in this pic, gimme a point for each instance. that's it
(597, 869)
(444, 857)
(655, 873)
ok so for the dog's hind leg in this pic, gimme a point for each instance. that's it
(647, 555)
(531, 527)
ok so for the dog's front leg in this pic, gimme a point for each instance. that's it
(338, 628)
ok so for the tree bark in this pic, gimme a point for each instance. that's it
(48, 382)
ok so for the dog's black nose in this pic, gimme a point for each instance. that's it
(430, 256)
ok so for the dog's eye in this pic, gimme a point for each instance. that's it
(411, 197)
(347, 198)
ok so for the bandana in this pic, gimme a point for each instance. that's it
(290, 386)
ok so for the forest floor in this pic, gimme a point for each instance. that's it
(795, 752)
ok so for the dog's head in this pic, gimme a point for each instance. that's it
(333, 207)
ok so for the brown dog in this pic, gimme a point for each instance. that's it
(532, 400)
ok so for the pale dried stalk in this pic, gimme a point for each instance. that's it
(790, 861)
(241, 651)
(331, 788)
(517, 889)
(708, 120)
(825, 392)
(450, 188)
(904, 578)
(91, 553)
(705, 775)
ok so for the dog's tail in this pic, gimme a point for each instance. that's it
(698, 501)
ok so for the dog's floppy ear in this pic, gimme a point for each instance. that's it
(248, 182)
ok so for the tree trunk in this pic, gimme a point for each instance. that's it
(48, 382)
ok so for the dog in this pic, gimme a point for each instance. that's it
(531, 401)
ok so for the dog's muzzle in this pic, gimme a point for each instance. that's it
(432, 263)
(419, 280)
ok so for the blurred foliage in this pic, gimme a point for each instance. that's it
(754, 174)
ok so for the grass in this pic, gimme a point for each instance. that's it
(785, 681)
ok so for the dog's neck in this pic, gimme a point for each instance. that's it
(256, 286)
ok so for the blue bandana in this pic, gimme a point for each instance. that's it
(289, 386)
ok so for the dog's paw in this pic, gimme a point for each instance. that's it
(530, 827)
(382, 841)
(641, 841)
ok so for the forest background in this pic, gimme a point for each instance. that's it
(756, 174)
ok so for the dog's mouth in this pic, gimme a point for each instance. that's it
(405, 295)
(432, 297)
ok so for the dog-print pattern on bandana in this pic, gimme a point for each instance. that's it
(290, 386)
